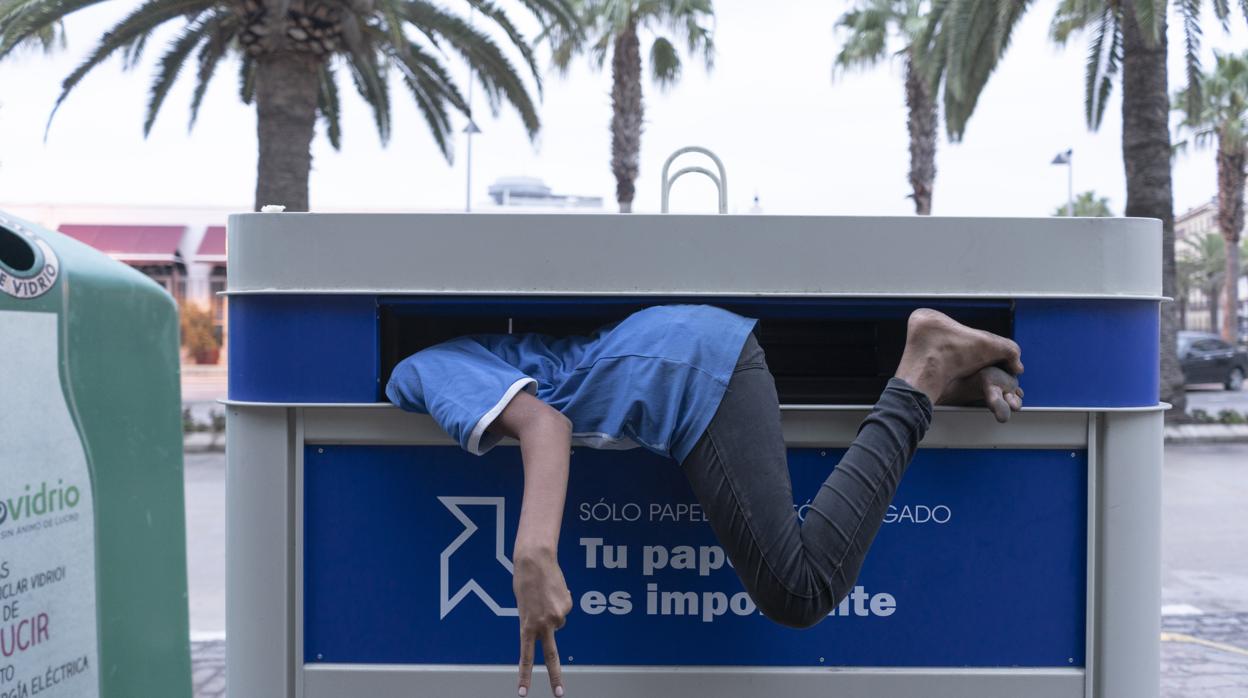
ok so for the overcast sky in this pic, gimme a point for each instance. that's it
(786, 130)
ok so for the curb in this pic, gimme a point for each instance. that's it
(203, 442)
(1207, 434)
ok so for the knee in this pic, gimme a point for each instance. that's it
(793, 611)
(800, 603)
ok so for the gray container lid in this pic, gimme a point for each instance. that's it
(739, 255)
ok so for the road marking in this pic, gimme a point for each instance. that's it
(1180, 609)
(1180, 637)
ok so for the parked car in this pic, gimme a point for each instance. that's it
(1207, 358)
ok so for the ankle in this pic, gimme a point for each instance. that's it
(925, 375)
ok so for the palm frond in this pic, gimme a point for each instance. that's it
(431, 99)
(370, 81)
(428, 72)
(664, 62)
(867, 40)
(960, 49)
(210, 55)
(680, 22)
(25, 19)
(171, 64)
(494, 71)
(1150, 17)
(141, 20)
(1222, 10)
(1104, 59)
(500, 18)
(1113, 63)
(132, 52)
(247, 79)
(557, 15)
(1189, 11)
(328, 105)
(1073, 16)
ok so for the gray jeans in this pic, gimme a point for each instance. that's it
(798, 571)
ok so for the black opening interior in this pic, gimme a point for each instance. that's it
(15, 251)
(833, 351)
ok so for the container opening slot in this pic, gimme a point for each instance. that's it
(15, 251)
(834, 351)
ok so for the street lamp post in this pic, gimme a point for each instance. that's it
(470, 129)
(1066, 159)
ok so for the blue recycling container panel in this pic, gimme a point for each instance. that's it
(981, 563)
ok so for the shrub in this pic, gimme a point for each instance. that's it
(197, 334)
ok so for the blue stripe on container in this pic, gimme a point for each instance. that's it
(324, 348)
(303, 348)
(1088, 353)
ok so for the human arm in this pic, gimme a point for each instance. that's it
(542, 596)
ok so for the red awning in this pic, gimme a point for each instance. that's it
(212, 247)
(135, 244)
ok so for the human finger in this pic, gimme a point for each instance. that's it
(551, 652)
(996, 402)
(526, 662)
(1015, 402)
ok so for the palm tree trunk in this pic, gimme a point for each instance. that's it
(1146, 158)
(1230, 223)
(286, 90)
(1213, 293)
(626, 114)
(921, 122)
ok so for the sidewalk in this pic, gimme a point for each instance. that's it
(208, 668)
(203, 383)
(1206, 433)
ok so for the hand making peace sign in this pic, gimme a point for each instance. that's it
(544, 602)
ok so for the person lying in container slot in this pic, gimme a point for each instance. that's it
(691, 382)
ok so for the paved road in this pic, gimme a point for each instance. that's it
(1204, 571)
(205, 542)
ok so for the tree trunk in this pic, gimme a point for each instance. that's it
(626, 114)
(1231, 223)
(1213, 292)
(922, 125)
(286, 90)
(1146, 158)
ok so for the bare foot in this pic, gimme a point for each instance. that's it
(940, 350)
(988, 386)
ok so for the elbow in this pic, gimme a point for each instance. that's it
(548, 423)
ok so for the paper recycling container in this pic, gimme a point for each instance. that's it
(369, 555)
(92, 527)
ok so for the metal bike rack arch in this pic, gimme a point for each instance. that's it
(720, 180)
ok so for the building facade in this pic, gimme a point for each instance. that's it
(1196, 306)
(180, 248)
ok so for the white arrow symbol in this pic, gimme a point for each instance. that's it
(453, 504)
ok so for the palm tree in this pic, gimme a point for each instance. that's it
(51, 38)
(1128, 39)
(612, 26)
(1088, 205)
(1220, 111)
(1202, 264)
(870, 24)
(291, 52)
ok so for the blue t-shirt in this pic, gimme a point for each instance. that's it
(653, 379)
